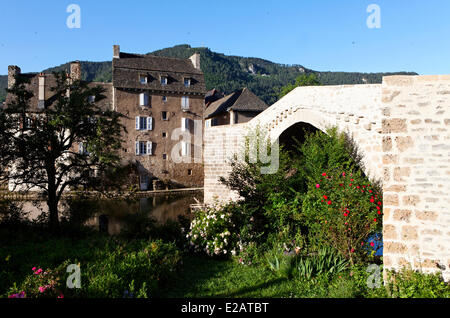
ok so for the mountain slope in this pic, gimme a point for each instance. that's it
(228, 73)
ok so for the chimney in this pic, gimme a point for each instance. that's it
(75, 70)
(41, 100)
(116, 51)
(13, 71)
(195, 59)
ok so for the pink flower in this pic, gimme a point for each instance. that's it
(372, 244)
(353, 250)
(33, 269)
(61, 296)
(317, 186)
(19, 295)
(42, 289)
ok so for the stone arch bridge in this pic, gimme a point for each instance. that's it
(402, 128)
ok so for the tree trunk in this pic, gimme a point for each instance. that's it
(52, 201)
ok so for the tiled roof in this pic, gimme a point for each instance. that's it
(242, 100)
(128, 68)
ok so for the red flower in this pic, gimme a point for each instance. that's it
(374, 220)
(329, 202)
(379, 203)
(378, 207)
(325, 197)
(370, 191)
(362, 243)
(379, 213)
(372, 200)
(352, 180)
(324, 174)
(372, 244)
(353, 250)
(357, 187)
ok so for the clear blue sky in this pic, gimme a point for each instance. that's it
(326, 35)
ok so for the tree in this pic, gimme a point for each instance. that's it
(70, 144)
(302, 80)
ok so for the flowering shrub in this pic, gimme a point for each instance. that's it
(213, 230)
(344, 210)
(40, 284)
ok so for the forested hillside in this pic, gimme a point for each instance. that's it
(228, 73)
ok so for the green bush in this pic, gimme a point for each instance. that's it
(214, 231)
(109, 268)
(343, 210)
(414, 284)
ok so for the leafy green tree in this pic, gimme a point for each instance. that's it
(302, 80)
(40, 149)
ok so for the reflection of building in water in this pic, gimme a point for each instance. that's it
(112, 214)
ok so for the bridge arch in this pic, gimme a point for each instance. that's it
(401, 127)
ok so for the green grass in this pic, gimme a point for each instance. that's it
(204, 277)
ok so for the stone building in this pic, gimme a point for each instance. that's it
(236, 108)
(162, 100)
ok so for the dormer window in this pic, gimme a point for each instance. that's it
(163, 80)
(187, 82)
(91, 98)
(143, 79)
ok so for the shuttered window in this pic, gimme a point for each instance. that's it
(185, 102)
(143, 99)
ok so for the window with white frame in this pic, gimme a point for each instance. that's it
(185, 102)
(163, 80)
(187, 82)
(82, 148)
(28, 122)
(143, 99)
(144, 148)
(185, 124)
(185, 148)
(143, 79)
(144, 123)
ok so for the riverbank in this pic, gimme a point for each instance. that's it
(18, 196)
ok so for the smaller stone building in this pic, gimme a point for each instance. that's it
(235, 108)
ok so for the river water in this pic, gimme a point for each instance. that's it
(112, 215)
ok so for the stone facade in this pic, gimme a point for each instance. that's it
(401, 128)
(163, 107)
(416, 161)
(153, 129)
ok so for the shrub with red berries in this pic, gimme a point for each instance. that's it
(344, 212)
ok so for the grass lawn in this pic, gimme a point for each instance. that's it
(204, 277)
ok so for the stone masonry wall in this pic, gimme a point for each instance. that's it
(416, 157)
(402, 128)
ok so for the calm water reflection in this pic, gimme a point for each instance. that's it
(112, 215)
